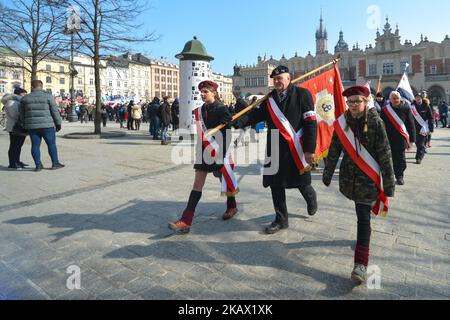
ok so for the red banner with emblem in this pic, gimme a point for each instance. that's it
(326, 90)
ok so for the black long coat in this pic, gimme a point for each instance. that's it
(213, 115)
(396, 140)
(298, 102)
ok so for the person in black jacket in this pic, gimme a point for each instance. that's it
(240, 105)
(397, 141)
(443, 114)
(297, 106)
(424, 110)
(214, 113)
(165, 114)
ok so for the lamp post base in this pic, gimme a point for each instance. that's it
(72, 116)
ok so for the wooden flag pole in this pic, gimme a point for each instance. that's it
(258, 102)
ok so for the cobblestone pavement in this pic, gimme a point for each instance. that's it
(107, 213)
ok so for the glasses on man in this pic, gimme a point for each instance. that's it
(354, 102)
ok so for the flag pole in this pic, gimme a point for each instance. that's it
(258, 102)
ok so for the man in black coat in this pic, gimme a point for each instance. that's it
(165, 114)
(396, 140)
(424, 111)
(296, 104)
(240, 105)
(443, 113)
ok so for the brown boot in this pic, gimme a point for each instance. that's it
(180, 226)
(230, 213)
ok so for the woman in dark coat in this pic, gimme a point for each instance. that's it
(213, 113)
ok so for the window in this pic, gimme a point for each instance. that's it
(2, 88)
(433, 69)
(254, 82)
(163, 71)
(261, 82)
(175, 73)
(372, 69)
(388, 68)
(126, 84)
(403, 65)
(156, 86)
(91, 93)
(247, 82)
(110, 83)
(147, 74)
(48, 67)
(91, 82)
(169, 87)
(147, 93)
(156, 70)
(175, 87)
(80, 81)
(61, 69)
(169, 73)
(16, 75)
(147, 83)
(169, 80)
(163, 79)
(91, 72)
(48, 79)
(157, 78)
(118, 84)
(2, 73)
(62, 81)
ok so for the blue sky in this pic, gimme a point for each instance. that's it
(237, 30)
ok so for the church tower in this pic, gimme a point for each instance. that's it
(321, 38)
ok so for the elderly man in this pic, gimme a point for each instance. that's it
(40, 116)
(290, 111)
(401, 132)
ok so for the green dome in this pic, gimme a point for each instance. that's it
(194, 50)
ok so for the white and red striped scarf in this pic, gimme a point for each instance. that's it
(398, 124)
(425, 130)
(364, 160)
(229, 184)
(294, 139)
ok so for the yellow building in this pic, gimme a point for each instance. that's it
(225, 89)
(166, 79)
(54, 74)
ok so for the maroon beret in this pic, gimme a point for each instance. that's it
(208, 83)
(357, 91)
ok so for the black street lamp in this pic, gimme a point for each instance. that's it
(73, 25)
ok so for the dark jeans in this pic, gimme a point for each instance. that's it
(15, 148)
(363, 212)
(421, 143)
(399, 160)
(279, 202)
(155, 126)
(49, 136)
(444, 121)
(104, 120)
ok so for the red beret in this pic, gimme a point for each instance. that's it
(357, 91)
(208, 83)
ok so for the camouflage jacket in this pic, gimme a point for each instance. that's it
(353, 182)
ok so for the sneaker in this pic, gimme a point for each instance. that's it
(39, 168)
(230, 213)
(180, 226)
(57, 166)
(23, 165)
(359, 274)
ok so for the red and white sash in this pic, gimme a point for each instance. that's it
(398, 124)
(425, 128)
(364, 161)
(229, 185)
(294, 139)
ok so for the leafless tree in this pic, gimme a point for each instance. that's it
(33, 30)
(109, 26)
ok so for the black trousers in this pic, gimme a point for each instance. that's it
(421, 143)
(399, 160)
(279, 202)
(364, 231)
(444, 121)
(15, 148)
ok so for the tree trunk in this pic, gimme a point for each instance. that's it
(98, 95)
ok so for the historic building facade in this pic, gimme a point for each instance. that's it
(429, 62)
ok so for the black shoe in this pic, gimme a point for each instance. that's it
(312, 206)
(16, 167)
(275, 227)
(57, 166)
(39, 168)
(23, 165)
(400, 182)
(418, 161)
